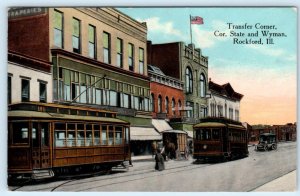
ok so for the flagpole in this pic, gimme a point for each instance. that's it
(191, 29)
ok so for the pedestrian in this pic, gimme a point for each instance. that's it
(159, 161)
(186, 152)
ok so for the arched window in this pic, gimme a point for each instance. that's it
(173, 106)
(152, 102)
(159, 104)
(189, 80)
(202, 85)
(179, 107)
(167, 105)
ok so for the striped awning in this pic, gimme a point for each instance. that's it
(144, 133)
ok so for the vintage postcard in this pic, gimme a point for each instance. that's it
(152, 99)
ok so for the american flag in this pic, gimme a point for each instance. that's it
(196, 20)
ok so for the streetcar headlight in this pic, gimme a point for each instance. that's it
(204, 146)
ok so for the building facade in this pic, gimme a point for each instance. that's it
(29, 79)
(287, 132)
(187, 64)
(224, 101)
(167, 96)
(98, 59)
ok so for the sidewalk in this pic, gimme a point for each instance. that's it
(287, 183)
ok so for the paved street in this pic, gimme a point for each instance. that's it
(242, 175)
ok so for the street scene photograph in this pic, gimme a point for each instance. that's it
(151, 99)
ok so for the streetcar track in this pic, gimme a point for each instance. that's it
(118, 174)
(122, 175)
(145, 177)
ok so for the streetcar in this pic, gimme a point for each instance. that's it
(47, 140)
(267, 141)
(219, 139)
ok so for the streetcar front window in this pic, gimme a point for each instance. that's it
(126, 135)
(205, 134)
(118, 134)
(20, 132)
(216, 134)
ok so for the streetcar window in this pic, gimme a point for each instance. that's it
(110, 135)
(96, 135)
(89, 137)
(45, 134)
(60, 134)
(20, 132)
(80, 134)
(126, 135)
(103, 135)
(35, 140)
(71, 140)
(118, 134)
(216, 134)
(198, 134)
(205, 134)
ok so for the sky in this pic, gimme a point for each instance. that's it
(266, 74)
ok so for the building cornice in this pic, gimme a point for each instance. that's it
(29, 61)
(81, 58)
(118, 20)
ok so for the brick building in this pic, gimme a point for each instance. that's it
(187, 64)
(98, 59)
(166, 94)
(287, 132)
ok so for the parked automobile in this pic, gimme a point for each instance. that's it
(267, 141)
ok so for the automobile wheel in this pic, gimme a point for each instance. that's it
(274, 147)
(266, 147)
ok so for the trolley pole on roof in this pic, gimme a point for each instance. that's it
(87, 88)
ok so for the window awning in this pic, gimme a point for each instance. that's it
(161, 125)
(144, 133)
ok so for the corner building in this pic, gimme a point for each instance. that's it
(186, 63)
(98, 58)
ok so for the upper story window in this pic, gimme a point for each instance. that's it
(202, 85)
(188, 80)
(190, 109)
(92, 42)
(25, 90)
(152, 102)
(58, 29)
(141, 61)
(106, 47)
(159, 104)
(230, 113)
(237, 115)
(119, 52)
(131, 57)
(76, 35)
(173, 106)
(167, 105)
(43, 92)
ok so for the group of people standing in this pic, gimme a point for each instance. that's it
(160, 157)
